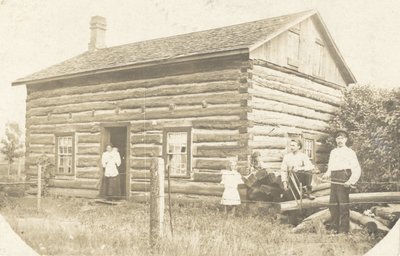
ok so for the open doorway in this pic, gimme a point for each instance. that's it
(118, 136)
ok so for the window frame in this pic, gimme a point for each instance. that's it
(188, 131)
(319, 45)
(73, 154)
(307, 138)
(292, 61)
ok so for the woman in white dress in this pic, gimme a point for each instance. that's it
(110, 186)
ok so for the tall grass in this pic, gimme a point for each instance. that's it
(80, 227)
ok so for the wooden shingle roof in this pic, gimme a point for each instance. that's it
(236, 37)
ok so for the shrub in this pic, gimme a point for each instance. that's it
(372, 117)
(11, 145)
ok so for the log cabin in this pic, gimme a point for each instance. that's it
(195, 100)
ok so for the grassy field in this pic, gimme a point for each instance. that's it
(70, 226)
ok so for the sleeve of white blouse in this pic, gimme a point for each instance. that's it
(355, 169)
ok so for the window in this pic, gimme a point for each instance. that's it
(177, 150)
(293, 48)
(65, 154)
(318, 58)
(309, 148)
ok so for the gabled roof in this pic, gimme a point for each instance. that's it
(245, 37)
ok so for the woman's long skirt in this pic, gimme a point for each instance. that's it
(110, 188)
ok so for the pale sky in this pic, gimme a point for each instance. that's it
(38, 34)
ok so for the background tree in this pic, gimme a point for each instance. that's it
(372, 117)
(11, 145)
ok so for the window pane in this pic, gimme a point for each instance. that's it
(309, 148)
(64, 152)
(177, 152)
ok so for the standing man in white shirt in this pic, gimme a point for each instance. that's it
(343, 167)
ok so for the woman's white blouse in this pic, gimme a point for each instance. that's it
(110, 161)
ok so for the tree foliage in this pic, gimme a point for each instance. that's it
(11, 145)
(372, 117)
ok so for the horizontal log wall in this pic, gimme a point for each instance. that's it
(207, 98)
(281, 104)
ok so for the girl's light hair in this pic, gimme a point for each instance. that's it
(232, 161)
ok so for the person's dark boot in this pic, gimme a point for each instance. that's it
(311, 197)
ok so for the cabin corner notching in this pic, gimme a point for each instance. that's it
(209, 100)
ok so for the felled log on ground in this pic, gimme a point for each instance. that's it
(385, 222)
(354, 198)
(370, 223)
(388, 213)
(312, 220)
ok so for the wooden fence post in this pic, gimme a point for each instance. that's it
(156, 201)
(39, 186)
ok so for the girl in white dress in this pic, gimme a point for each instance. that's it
(231, 179)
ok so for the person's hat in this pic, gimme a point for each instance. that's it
(341, 132)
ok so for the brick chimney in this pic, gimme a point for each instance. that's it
(97, 33)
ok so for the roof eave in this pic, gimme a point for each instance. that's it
(236, 51)
(282, 29)
(349, 76)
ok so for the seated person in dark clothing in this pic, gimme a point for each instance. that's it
(261, 185)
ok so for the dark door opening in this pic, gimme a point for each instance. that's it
(118, 137)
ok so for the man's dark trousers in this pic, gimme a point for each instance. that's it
(339, 201)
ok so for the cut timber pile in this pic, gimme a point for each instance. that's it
(386, 197)
(312, 220)
(389, 214)
(382, 219)
(317, 220)
(266, 186)
(370, 223)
